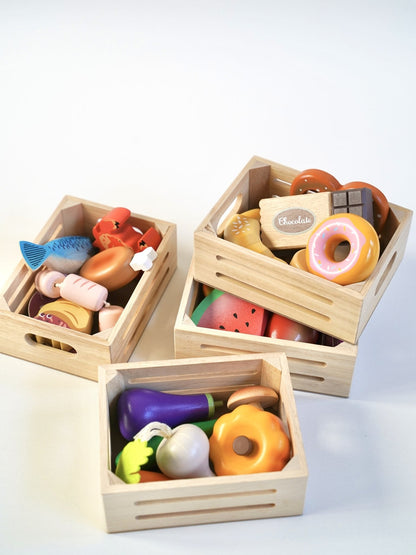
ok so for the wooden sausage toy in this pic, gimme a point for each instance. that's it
(79, 291)
(73, 288)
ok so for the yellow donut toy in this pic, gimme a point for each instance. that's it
(364, 249)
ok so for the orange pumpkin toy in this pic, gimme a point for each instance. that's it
(249, 440)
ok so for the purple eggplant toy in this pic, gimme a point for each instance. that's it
(138, 407)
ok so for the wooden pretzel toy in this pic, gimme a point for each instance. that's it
(311, 181)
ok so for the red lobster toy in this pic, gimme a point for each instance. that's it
(114, 230)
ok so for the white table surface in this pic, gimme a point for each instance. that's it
(157, 106)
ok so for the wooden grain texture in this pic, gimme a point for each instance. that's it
(277, 215)
(315, 368)
(340, 311)
(18, 331)
(201, 500)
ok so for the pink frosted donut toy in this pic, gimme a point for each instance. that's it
(363, 252)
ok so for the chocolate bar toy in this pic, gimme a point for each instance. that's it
(287, 222)
(354, 201)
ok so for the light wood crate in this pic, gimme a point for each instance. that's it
(315, 368)
(199, 500)
(75, 216)
(340, 311)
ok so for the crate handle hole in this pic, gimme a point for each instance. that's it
(231, 209)
(385, 273)
(208, 511)
(39, 341)
(307, 377)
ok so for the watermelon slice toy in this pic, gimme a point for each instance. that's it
(223, 311)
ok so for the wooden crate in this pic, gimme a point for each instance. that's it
(199, 500)
(315, 368)
(75, 216)
(341, 311)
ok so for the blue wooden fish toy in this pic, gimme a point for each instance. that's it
(65, 254)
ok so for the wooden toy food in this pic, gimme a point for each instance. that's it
(65, 254)
(113, 268)
(65, 314)
(280, 327)
(80, 291)
(184, 452)
(249, 439)
(36, 301)
(258, 396)
(299, 260)
(287, 222)
(137, 407)
(319, 181)
(180, 453)
(152, 476)
(381, 206)
(253, 213)
(108, 316)
(114, 229)
(72, 288)
(364, 249)
(134, 476)
(206, 289)
(245, 231)
(134, 455)
(227, 312)
(357, 201)
(205, 425)
(313, 181)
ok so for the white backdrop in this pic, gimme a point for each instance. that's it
(157, 106)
